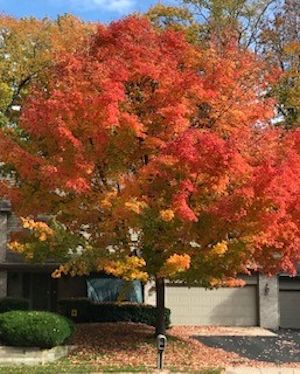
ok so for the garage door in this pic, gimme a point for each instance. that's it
(289, 299)
(223, 307)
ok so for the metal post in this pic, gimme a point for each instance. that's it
(160, 360)
(161, 345)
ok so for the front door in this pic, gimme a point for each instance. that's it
(41, 288)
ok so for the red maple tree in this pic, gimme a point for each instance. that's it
(163, 155)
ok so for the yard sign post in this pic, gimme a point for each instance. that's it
(161, 345)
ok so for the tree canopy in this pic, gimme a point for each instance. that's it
(157, 158)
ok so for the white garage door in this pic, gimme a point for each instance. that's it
(289, 298)
(223, 307)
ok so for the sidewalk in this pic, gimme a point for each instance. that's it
(251, 370)
(237, 370)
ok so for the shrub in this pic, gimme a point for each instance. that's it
(83, 310)
(8, 304)
(34, 329)
(77, 309)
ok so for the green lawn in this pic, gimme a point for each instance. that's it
(66, 367)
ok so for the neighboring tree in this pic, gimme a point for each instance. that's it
(280, 44)
(28, 47)
(156, 159)
(204, 20)
(180, 19)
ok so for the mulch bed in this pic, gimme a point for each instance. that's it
(129, 344)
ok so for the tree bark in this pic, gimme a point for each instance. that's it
(160, 306)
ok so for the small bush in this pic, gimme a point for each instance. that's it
(34, 329)
(8, 304)
(83, 310)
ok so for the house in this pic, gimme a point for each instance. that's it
(267, 302)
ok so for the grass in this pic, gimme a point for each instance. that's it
(65, 366)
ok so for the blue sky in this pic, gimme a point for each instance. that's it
(95, 10)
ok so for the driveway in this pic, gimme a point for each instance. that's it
(281, 348)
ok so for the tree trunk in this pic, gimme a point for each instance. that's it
(160, 306)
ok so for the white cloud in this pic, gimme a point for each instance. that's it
(120, 6)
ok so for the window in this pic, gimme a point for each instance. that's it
(114, 289)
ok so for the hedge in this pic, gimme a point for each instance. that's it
(84, 310)
(34, 329)
(8, 304)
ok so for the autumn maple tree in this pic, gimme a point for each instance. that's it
(156, 159)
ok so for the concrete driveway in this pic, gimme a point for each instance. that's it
(280, 348)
